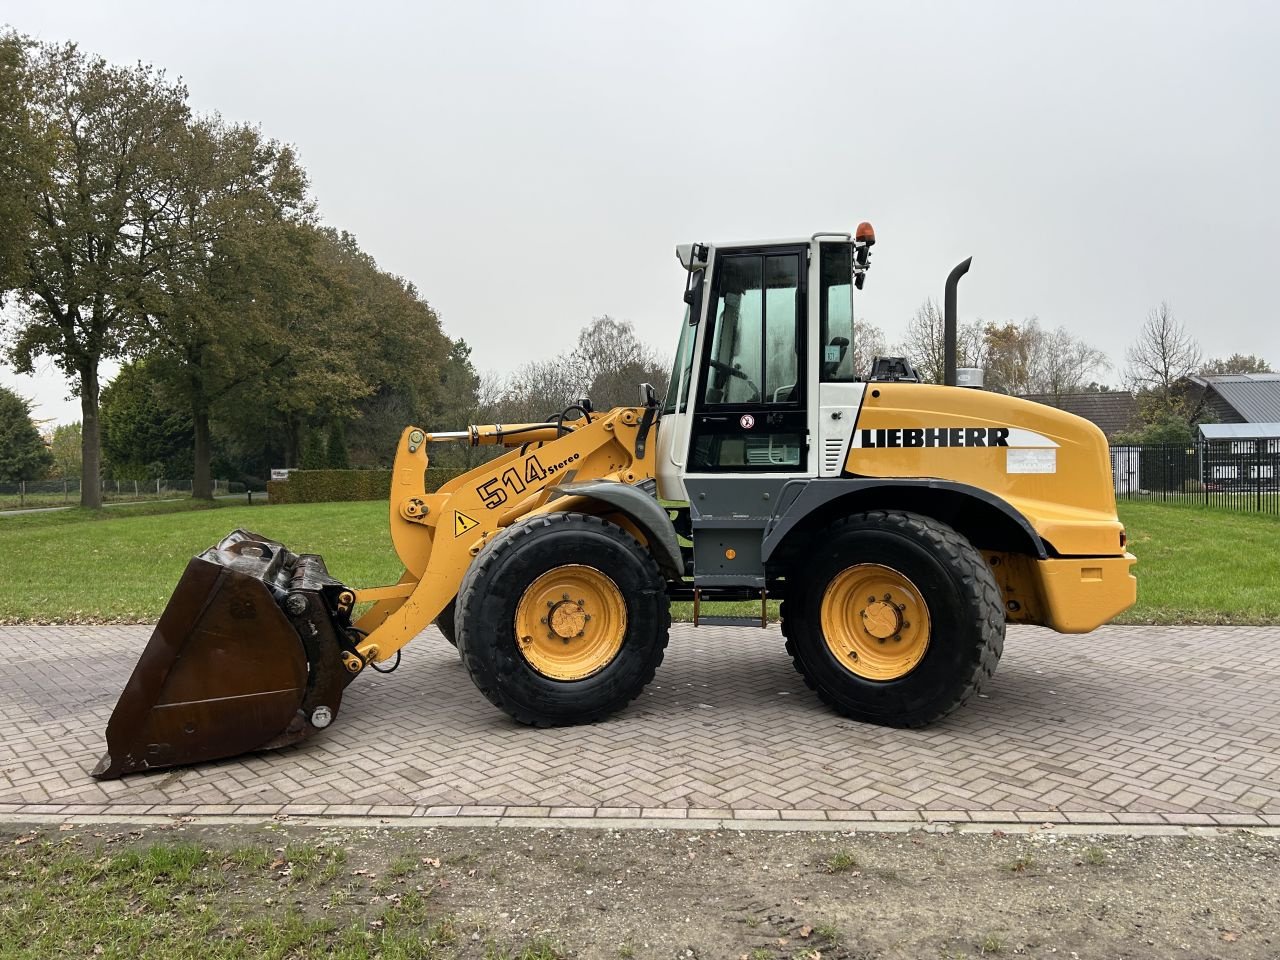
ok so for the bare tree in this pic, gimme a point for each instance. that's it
(925, 343)
(1163, 355)
(868, 343)
(1025, 358)
(537, 390)
(613, 362)
(1069, 364)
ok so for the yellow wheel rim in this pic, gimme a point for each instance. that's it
(570, 622)
(875, 622)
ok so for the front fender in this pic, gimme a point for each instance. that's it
(644, 511)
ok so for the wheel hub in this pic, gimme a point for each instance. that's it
(875, 622)
(881, 619)
(568, 618)
(570, 622)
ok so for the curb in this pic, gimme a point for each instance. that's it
(1011, 827)
(654, 816)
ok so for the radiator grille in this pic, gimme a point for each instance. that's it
(832, 455)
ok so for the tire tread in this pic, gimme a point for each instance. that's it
(954, 550)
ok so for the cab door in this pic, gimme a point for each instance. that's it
(750, 412)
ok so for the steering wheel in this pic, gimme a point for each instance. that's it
(737, 372)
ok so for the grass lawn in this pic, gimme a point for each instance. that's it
(1196, 564)
(1200, 564)
(122, 564)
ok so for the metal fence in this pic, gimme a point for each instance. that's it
(30, 494)
(1233, 474)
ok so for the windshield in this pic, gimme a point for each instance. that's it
(678, 389)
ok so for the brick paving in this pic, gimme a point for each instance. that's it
(1129, 725)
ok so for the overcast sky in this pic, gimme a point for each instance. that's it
(1094, 158)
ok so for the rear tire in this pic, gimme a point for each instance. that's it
(857, 645)
(513, 640)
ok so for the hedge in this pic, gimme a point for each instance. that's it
(322, 486)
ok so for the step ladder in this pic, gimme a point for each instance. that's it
(699, 620)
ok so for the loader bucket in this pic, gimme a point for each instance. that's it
(248, 655)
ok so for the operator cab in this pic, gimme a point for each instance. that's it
(764, 360)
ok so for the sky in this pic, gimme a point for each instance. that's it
(1093, 158)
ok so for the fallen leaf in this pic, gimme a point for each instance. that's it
(21, 840)
(378, 924)
(431, 861)
(64, 827)
(277, 863)
(1230, 937)
(806, 930)
(359, 873)
(98, 950)
(998, 833)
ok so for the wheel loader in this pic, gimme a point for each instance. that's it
(902, 525)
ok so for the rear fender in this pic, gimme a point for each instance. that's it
(990, 523)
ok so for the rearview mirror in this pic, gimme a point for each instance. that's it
(692, 293)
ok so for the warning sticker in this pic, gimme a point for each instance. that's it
(462, 523)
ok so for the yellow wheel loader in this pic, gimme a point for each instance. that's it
(902, 524)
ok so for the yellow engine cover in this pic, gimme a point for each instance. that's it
(1052, 466)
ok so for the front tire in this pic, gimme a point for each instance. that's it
(897, 621)
(446, 623)
(561, 619)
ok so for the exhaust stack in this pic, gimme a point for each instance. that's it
(949, 321)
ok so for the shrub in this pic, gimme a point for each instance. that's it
(323, 486)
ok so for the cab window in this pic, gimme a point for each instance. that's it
(835, 300)
(754, 355)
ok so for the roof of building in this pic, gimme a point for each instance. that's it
(1113, 412)
(1240, 431)
(1255, 396)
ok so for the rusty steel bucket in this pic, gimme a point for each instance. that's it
(251, 653)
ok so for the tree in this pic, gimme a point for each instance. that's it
(868, 343)
(1236, 363)
(1026, 358)
(539, 389)
(90, 243)
(612, 362)
(146, 431)
(23, 454)
(223, 267)
(1158, 361)
(1168, 429)
(925, 343)
(64, 445)
(24, 159)
(314, 455)
(336, 448)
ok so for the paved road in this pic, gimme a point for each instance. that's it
(1127, 725)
